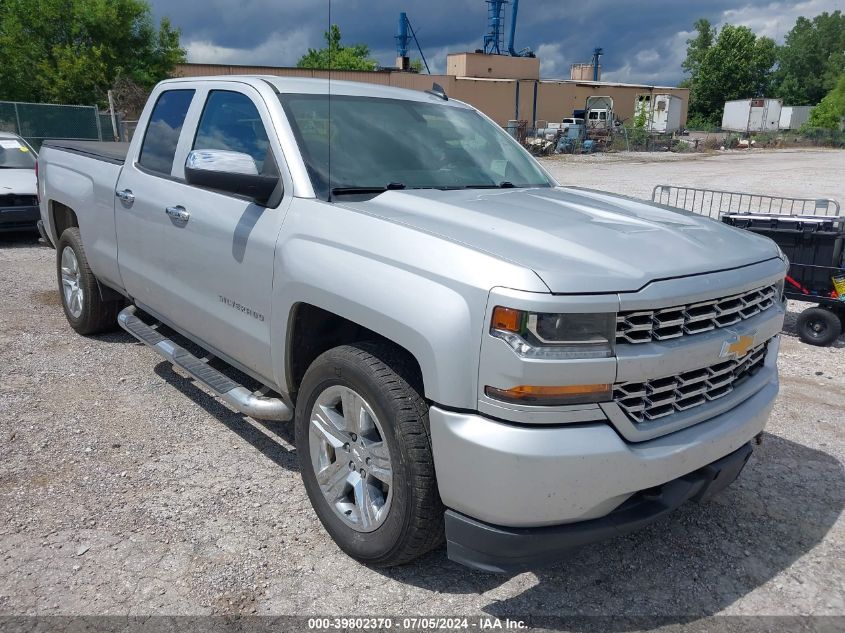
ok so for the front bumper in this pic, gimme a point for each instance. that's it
(19, 218)
(531, 476)
(523, 478)
(491, 548)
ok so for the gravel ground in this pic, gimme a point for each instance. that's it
(799, 173)
(126, 490)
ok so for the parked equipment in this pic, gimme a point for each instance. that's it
(599, 113)
(815, 246)
(793, 117)
(574, 140)
(752, 115)
(658, 112)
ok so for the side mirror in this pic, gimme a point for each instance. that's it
(232, 172)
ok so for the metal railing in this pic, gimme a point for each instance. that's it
(714, 202)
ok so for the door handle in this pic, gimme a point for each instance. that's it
(178, 213)
(125, 195)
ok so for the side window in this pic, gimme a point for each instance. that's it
(163, 130)
(230, 121)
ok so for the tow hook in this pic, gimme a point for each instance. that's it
(758, 439)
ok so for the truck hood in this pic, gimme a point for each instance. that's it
(17, 181)
(575, 240)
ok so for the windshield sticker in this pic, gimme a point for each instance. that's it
(10, 144)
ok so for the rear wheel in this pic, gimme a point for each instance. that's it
(85, 309)
(818, 326)
(365, 454)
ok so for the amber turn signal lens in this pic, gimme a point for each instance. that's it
(506, 319)
(569, 394)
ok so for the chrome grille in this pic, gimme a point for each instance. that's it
(657, 398)
(644, 326)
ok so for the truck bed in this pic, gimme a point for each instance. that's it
(108, 151)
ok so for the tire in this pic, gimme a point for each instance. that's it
(85, 310)
(817, 326)
(409, 522)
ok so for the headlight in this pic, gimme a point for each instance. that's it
(555, 336)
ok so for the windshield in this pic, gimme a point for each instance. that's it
(15, 154)
(374, 143)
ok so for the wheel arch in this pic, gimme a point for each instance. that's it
(62, 217)
(313, 330)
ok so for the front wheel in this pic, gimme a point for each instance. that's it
(365, 455)
(818, 326)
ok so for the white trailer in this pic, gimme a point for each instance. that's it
(662, 112)
(793, 117)
(752, 115)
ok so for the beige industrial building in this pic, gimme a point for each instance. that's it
(505, 88)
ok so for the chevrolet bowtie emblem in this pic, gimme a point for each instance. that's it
(737, 346)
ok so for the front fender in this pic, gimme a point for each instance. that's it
(420, 291)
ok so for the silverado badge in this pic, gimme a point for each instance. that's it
(737, 346)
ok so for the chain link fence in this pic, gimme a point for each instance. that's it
(621, 138)
(36, 122)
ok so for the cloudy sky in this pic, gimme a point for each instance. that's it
(644, 40)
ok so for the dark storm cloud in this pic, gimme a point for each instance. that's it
(643, 41)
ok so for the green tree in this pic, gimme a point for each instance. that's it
(71, 51)
(831, 111)
(698, 46)
(735, 65)
(337, 57)
(811, 59)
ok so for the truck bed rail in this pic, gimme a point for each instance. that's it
(714, 202)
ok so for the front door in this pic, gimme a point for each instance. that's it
(214, 251)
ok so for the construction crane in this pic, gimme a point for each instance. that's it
(494, 39)
(404, 34)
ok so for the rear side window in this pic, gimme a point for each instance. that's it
(163, 131)
(230, 121)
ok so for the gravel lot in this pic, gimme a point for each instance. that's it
(126, 490)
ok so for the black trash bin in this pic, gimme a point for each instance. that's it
(815, 246)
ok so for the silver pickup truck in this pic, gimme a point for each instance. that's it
(467, 349)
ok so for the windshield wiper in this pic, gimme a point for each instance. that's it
(391, 186)
(365, 191)
(342, 191)
(505, 184)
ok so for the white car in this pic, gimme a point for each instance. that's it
(18, 200)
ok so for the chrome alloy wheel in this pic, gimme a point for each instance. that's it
(350, 458)
(71, 290)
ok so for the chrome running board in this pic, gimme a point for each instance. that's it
(253, 404)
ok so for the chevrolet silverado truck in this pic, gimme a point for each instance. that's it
(468, 350)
